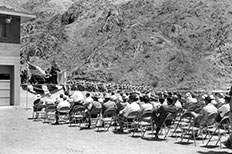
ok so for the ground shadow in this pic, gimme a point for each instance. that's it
(214, 152)
(183, 143)
(210, 146)
(152, 139)
(119, 132)
(101, 130)
(135, 136)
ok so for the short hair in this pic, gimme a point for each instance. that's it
(65, 98)
(66, 93)
(146, 99)
(87, 94)
(61, 95)
(170, 101)
(133, 97)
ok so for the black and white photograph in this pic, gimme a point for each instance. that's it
(115, 76)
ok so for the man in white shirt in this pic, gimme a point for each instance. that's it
(77, 96)
(132, 106)
(63, 103)
(223, 109)
(87, 100)
(208, 109)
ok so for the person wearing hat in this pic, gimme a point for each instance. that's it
(132, 106)
(38, 105)
(208, 109)
(109, 103)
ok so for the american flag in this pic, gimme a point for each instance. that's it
(43, 89)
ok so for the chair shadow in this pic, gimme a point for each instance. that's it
(210, 146)
(184, 143)
(100, 130)
(118, 132)
(136, 136)
(213, 152)
(152, 139)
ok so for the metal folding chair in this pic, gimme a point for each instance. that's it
(77, 115)
(221, 129)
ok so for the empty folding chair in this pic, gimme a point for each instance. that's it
(144, 122)
(221, 129)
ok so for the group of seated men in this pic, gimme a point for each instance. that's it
(161, 104)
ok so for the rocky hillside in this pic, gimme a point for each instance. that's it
(175, 44)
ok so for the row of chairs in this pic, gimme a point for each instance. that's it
(183, 123)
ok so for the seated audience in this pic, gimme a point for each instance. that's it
(132, 106)
(110, 103)
(161, 113)
(63, 103)
(38, 105)
(225, 108)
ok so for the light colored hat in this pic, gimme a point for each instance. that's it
(38, 96)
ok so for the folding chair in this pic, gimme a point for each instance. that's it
(63, 114)
(144, 122)
(172, 118)
(184, 120)
(189, 127)
(221, 129)
(107, 119)
(50, 113)
(41, 114)
(209, 123)
(94, 116)
(77, 115)
(129, 120)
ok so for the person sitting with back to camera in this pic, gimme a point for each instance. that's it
(160, 114)
(38, 105)
(132, 106)
(94, 110)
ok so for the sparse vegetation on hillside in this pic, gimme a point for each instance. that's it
(179, 44)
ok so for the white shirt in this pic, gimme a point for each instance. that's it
(147, 106)
(191, 100)
(77, 96)
(64, 103)
(207, 110)
(178, 104)
(224, 109)
(134, 106)
(49, 100)
(156, 105)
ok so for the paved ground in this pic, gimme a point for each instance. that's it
(20, 135)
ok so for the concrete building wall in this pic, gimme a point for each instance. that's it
(10, 56)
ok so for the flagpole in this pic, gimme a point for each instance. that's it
(27, 97)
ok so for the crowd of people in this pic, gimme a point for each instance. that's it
(99, 86)
(160, 103)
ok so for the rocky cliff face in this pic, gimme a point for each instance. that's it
(175, 44)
